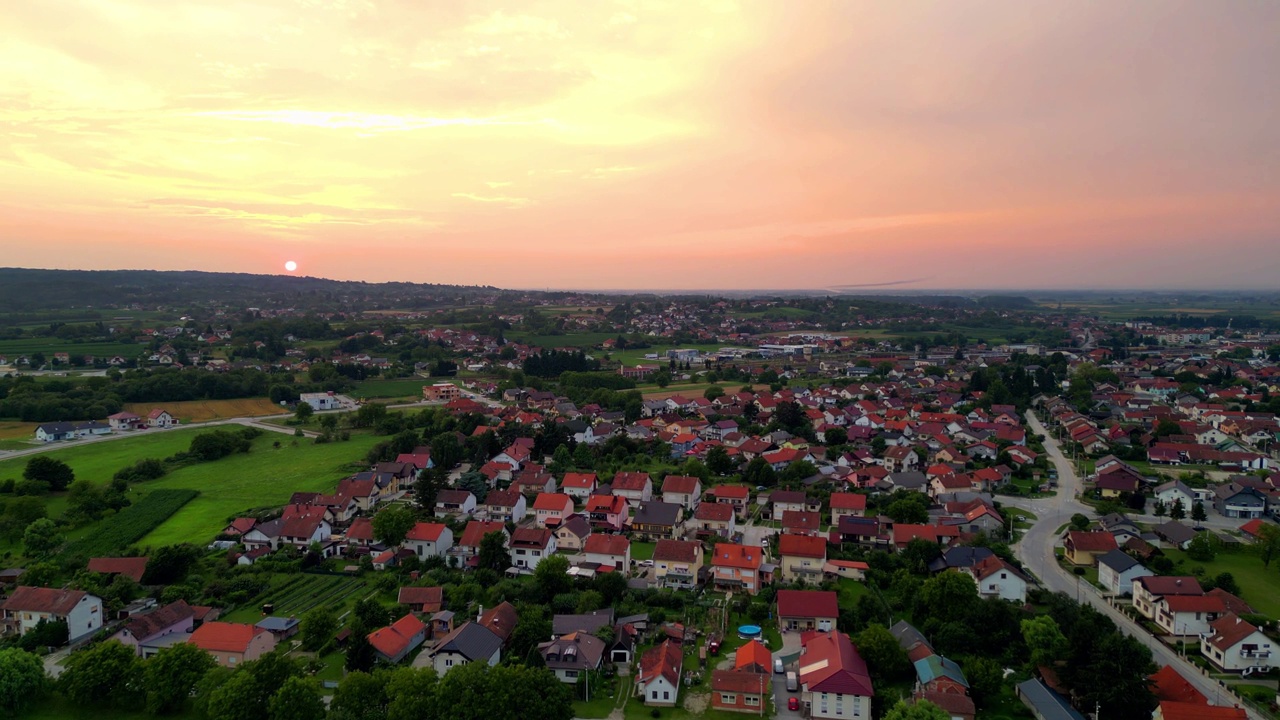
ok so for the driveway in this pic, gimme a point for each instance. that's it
(790, 646)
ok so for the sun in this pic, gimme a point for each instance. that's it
(291, 266)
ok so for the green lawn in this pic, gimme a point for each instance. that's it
(264, 477)
(849, 590)
(1258, 586)
(642, 550)
(399, 388)
(637, 356)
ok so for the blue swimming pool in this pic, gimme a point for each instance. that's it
(749, 631)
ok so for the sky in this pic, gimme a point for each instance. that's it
(601, 144)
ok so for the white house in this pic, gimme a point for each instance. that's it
(551, 509)
(159, 418)
(1117, 570)
(997, 578)
(609, 550)
(320, 400)
(658, 681)
(27, 606)
(1235, 646)
(429, 539)
(1173, 492)
(468, 643)
(529, 546)
(683, 490)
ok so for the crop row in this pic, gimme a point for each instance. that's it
(132, 523)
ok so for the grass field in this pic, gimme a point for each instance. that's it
(14, 430)
(264, 477)
(636, 357)
(49, 346)
(1258, 586)
(652, 392)
(575, 340)
(302, 592)
(189, 411)
(403, 387)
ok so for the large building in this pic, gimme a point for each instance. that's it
(834, 682)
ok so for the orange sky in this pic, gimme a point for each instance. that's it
(657, 145)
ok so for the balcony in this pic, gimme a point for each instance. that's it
(1255, 653)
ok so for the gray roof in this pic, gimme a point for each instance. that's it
(1118, 560)
(908, 636)
(908, 479)
(470, 640)
(277, 624)
(657, 513)
(960, 557)
(1047, 704)
(581, 652)
(1174, 532)
(590, 622)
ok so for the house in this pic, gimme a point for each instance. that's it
(468, 643)
(232, 644)
(682, 490)
(612, 551)
(428, 539)
(501, 620)
(736, 496)
(142, 631)
(473, 534)
(530, 545)
(454, 502)
(397, 640)
(784, 501)
(1045, 704)
(833, 678)
(1234, 645)
(55, 431)
(1174, 534)
(1148, 590)
(1167, 710)
(1084, 547)
(1234, 500)
(737, 568)
(807, 610)
(282, 628)
(661, 667)
(861, 531)
(998, 579)
(505, 506)
(714, 519)
(1169, 684)
(739, 691)
(636, 487)
(847, 504)
(422, 600)
(551, 509)
(1183, 615)
(608, 513)
(123, 421)
(159, 418)
(677, 564)
(1117, 570)
(568, 656)
(802, 558)
(572, 533)
(130, 567)
(590, 623)
(26, 606)
(579, 486)
(320, 400)
(1174, 492)
(898, 458)
(801, 523)
(939, 674)
(752, 656)
(656, 520)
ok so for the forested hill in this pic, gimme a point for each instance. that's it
(24, 289)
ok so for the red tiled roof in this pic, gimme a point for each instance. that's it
(1168, 684)
(848, 501)
(808, 603)
(397, 638)
(224, 637)
(738, 556)
(361, 529)
(799, 546)
(665, 660)
(1194, 603)
(1171, 585)
(552, 501)
(582, 481)
(1091, 541)
(1229, 630)
(1194, 711)
(603, 544)
(426, 532)
(680, 484)
(740, 682)
(752, 653)
(42, 599)
(431, 598)
(130, 567)
(477, 529)
(531, 537)
(715, 512)
(630, 481)
(831, 664)
(676, 550)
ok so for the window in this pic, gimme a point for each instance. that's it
(448, 662)
(666, 695)
(752, 700)
(231, 659)
(728, 698)
(571, 673)
(653, 695)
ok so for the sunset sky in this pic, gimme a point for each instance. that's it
(657, 145)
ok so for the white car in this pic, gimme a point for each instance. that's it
(645, 563)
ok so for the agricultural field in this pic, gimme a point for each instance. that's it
(636, 357)
(302, 592)
(264, 477)
(51, 345)
(399, 388)
(132, 523)
(191, 411)
(585, 341)
(14, 430)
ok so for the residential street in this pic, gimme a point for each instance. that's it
(1036, 548)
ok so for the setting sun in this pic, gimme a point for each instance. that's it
(291, 266)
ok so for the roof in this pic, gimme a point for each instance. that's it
(426, 532)
(131, 567)
(933, 667)
(503, 498)
(1048, 704)
(1171, 585)
(831, 664)
(587, 622)
(224, 637)
(808, 603)
(552, 501)
(431, 598)
(989, 566)
(1228, 631)
(452, 497)
(656, 512)
(739, 556)
(399, 637)
(360, 529)
(954, 704)
(144, 626)
(630, 481)
(46, 600)
(1168, 684)
(477, 529)
(1232, 603)
(1194, 603)
(684, 551)
(573, 650)
(737, 492)
(1091, 541)
(501, 620)
(1195, 711)
(714, 511)
(604, 544)
(1174, 532)
(848, 501)
(738, 681)
(752, 654)
(801, 520)
(583, 481)
(788, 496)
(802, 546)
(663, 660)
(275, 623)
(472, 641)
(1119, 561)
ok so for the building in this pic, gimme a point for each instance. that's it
(613, 551)
(529, 546)
(658, 681)
(27, 606)
(807, 610)
(1234, 645)
(739, 691)
(233, 644)
(847, 504)
(682, 490)
(422, 600)
(1149, 590)
(737, 496)
(677, 564)
(714, 519)
(429, 539)
(551, 509)
(656, 520)
(568, 656)
(802, 558)
(1117, 570)
(579, 486)
(1085, 547)
(834, 682)
(998, 579)
(505, 506)
(1167, 710)
(572, 534)
(636, 487)
(737, 567)
(397, 640)
(608, 513)
(441, 392)
(454, 502)
(320, 400)
(145, 633)
(468, 643)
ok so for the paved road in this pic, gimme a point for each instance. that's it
(1035, 550)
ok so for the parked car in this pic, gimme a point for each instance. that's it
(777, 665)
(793, 703)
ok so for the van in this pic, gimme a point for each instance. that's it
(791, 682)
(777, 665)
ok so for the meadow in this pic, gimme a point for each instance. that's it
(264, 477)
(189, 411)
(51, 345)
(399, 388)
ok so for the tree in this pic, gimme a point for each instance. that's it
(446, 451)
(1226, 581)
(1268, 543)
(413, 694)
(318, 627)
(304, 412)
(1177, 511)
(759, 473)
(247, 692)
(54, 473)
(1160, 509)
(947, 597)
(1197, 512)
(835, 436)
(360, 695)
(41, 537)
(1167, 427)
(298, 699)
(476, 691)
(172, 674)
(170, 564)
(493, 552)
(985, 678)
(884, 655)
(1044, 640)
(713, 392)
(533, 627)
(22, 681)
(1079, 521)
(920, 710)
(718, 461)
(908, 507)
(551, 577)
(106, 673)
(918, 553)
(393, 523)
(1203, 547)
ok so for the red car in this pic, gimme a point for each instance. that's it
(793, 704)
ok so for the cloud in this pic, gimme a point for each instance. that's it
(367, 122)
(513, 202)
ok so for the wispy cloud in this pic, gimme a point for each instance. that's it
(513, 202)
(366, 122)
